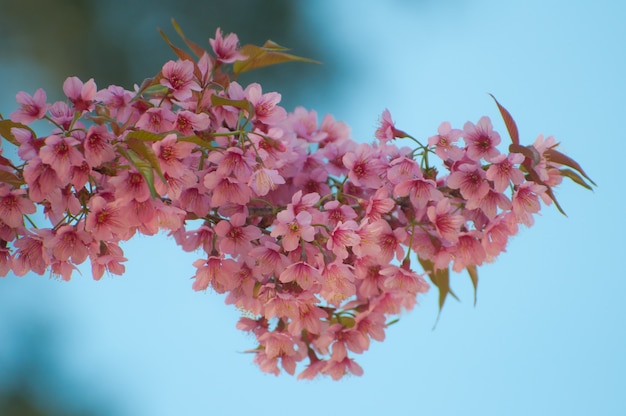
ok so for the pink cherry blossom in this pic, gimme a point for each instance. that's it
(14, 205)
(387, 129)
(225, 48)
(444, 142)
(503, 171)
(235, 238)
(81, 95)
(364, 167)
(178, 76)
(97, 146)
(481, 140)
(32, 107)
(470, 180)
(292, 228)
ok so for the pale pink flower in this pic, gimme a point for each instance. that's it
(70, 242)
(61, 154)
(266, 108)
(117, 101)
(214, 271)
(526, 202)
(41, 178)
(178, 76)
(481, 140)
(390, 242)
(365, 168)
(338, 369)
(468, 251)
(14, 205)
(379, 204)
(32, 108)
(419, 190)
(234, 161)
(268, 258)
(170, 153)
(106, 257)
(265, 180)
(29, 144)
(497, 233)
(490, 203)
(5, 260)
(302, 273)
(338, 283)
(292, 228)
(235, 238)
(470, 180)
(81, 95)
(503, 171)
(129, 185)
(398, 278)
(97, 146)
(387, 129)
(369, 234)
(282, 345)
(443, 142)
(337, 212)
(196, 200)
(30, 255)
(341, 237)
(447, 224)
(226, 48)
(226, 189)
(62, 114)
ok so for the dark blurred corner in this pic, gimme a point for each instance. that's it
(33, 382)
(117, 42)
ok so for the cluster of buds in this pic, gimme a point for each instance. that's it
(313, 236)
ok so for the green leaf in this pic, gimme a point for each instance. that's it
(441, 279)
(244, 104)
(158, 89)
(5, 131)
(555, 156)
(143, 167)
(144, 136)
(196, 140)
(270, 53)
(473, 272)
(508, 122)
(146, 153)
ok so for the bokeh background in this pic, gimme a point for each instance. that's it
(548, 334)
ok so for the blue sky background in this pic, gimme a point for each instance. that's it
(548, 334)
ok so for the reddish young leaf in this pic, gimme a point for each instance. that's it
(270, 54)
(508, 122)
(555, 156)
(5, 130)
(179, 52)
(195, 48)
(473, 272)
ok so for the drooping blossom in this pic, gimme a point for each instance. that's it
(32, 107)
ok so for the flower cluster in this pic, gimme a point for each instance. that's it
(313, 236)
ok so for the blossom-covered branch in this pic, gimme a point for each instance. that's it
(319, 240)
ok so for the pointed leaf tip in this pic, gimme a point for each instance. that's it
(508, 122)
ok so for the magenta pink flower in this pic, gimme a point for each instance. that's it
(97, 146)
(226, 48)
(32, 108)
(104, 220)
(481, 140)
(179, 77)
(157, 120)
(81, 95)
(61, 154)
(188, 122)
(41, 178)
(337, 212)
(266, 108)
(379, 204)
(292, 228)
